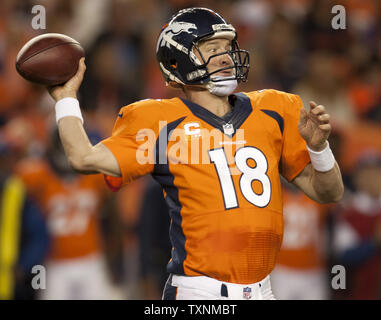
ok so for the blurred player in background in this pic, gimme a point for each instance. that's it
(305, 255)
(225, 239)
(76, 267)
(357, 233)
(301, 260)
(24, 239)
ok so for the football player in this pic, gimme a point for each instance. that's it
(300, 264)
(72, 203)
(226, 210)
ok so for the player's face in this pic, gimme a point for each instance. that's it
(212, 47)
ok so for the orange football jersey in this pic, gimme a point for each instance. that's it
(71, 208)
(303, 241)
(221, 178)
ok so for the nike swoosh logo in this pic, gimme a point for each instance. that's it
(120, 115)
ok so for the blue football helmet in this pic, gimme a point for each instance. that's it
(180, 37)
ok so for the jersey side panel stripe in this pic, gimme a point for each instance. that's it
(163, 176)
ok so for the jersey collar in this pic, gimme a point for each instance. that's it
(241, 110)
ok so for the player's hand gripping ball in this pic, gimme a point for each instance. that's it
(49, 59)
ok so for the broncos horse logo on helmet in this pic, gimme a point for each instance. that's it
(180, 37)
(172, 30)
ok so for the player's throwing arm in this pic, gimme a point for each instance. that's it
(57, 61)
(83, 157)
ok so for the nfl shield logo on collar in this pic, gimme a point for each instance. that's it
(228, 129)
(247, 293)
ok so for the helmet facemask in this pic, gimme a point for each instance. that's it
(216, 84)
(240, 65)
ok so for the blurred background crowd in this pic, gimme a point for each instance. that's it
(96, 244)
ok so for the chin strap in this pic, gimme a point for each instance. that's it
(222, 88)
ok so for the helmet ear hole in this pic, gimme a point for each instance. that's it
(173, 64)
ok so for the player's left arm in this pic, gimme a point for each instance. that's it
(323, 186)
